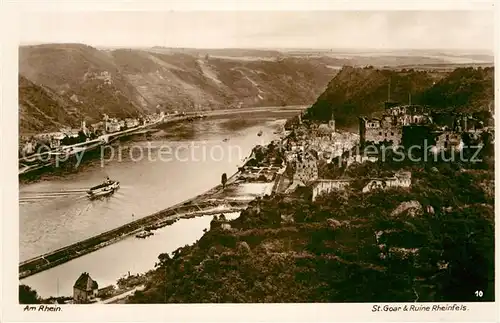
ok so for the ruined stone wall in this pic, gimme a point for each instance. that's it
(378, 135)
(400, 180)
(326, 186)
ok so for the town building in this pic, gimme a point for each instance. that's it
(106, 291)
(104, 76)
(225, 226)
(84, 129)
(47, 136)
(56, 140)
(306, 168)
(447, 140)
(27, 147)
(85, 289)
(69, 132)
(96, 127)
(131, 123)
(324, 130)
(360, 159)
(112, 125)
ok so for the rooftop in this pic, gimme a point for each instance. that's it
(325, 129)
(85, 282)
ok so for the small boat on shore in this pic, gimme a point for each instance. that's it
(144, 234)
(259, 133)
(225, 140)
(104, 189)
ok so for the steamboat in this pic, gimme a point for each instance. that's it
(107, 188)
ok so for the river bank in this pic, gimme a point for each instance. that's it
(147, 188)
(215, 201)
(75, 154)
(147, 185)
(250, 182)
(33, 172)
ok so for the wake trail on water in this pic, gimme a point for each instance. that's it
(36, 196)
(77, 194)
(79, 190)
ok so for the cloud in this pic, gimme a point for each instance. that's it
(322, 29)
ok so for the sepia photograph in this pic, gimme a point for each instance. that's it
(190, 157)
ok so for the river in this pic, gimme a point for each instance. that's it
(178, 162)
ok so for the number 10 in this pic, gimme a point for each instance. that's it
(479, 293)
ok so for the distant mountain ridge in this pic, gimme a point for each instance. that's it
(127, 82)
(86, 82)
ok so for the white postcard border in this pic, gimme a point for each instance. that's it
(12, 311)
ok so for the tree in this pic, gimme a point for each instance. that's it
(164, 259)
(66, 141)
(28, 295)
(82, 137)
(223, 180)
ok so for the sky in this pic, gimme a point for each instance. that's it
(469, 30)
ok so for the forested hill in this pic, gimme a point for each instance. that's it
(362, 91)
(464, 89)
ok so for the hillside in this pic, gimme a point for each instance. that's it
(183, 80)
(125, 82)
(464, 89)
(350, 247)
(362, 91)
(88, 76)
(40, 109)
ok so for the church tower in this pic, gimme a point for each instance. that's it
(331, 123)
